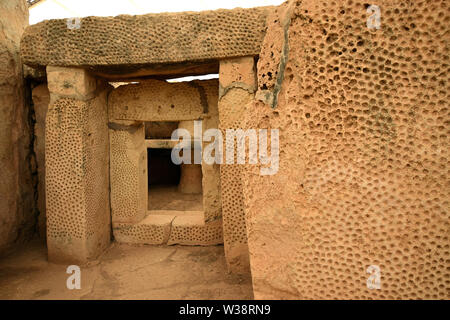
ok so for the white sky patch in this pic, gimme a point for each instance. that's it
(190, 78)
(59, 9)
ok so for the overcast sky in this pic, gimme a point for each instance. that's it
(57, 9)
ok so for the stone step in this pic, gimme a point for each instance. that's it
(153, 229)
(192, 230)
(170, 229)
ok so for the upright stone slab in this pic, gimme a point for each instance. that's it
(236, 90)
(362, 188)
(17, 210)
(77, 166)
(129, 179)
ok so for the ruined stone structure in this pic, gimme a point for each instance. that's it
(363, 119)
(103, 142)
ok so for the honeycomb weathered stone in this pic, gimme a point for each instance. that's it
(77, 171)
(146, 39)
(364, 119)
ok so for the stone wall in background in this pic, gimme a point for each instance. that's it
(17, 206)
(363, 182)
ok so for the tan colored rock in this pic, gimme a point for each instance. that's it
(77, 172)
(128, 171)
(156, 100)
(160, 129)
(154, 229)
(192, 230)
(17, 206)
(237, 90)
(71, 83)
(363, 176)
(212, 204)
(150, 39)
(191, 178)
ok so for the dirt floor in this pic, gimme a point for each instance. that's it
(125, 272)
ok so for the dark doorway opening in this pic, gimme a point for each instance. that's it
(164, 189)
(161, 170)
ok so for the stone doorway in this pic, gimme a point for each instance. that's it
(157, 201)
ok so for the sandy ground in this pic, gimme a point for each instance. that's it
(125, 272)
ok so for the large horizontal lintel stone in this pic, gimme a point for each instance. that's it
(148, 39)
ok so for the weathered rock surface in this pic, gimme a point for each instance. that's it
(363, 178)
(17, 209)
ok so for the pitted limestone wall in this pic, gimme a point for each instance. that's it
(77, 166)
(17, 203)
(363, 179)
(237, 86)
(147, 39)
(156, 100)
(129, 179)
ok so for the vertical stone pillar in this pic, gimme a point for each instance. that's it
(237, 85)
(191, 174)
(17, 214)
(77, 166)
(129, 176)
(41, 100)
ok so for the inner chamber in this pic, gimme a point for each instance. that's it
(170, 186)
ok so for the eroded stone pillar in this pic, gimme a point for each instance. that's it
(77, 166)
(236, 89)
(129, 177)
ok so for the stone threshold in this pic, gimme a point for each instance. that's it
(170, 227)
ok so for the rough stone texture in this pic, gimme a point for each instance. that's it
(237, 86)
(77, 168)
(192, 230)
(128, 171)
(17, 206)
(170, 227)
(363, 179)
(154, 229)
(156, 100)
(71, 83)
(160, 130)
(191, 174)
(147, 39)
(41, 100)
(212, 204)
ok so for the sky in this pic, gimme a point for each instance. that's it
(57, 9)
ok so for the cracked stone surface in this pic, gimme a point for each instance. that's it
(125, 272)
